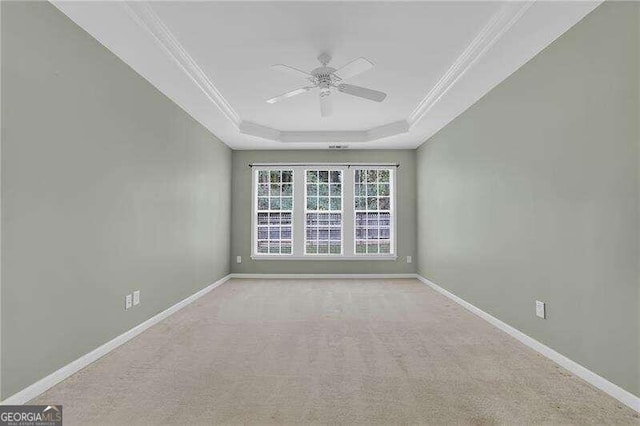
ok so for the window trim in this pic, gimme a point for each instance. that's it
(348, 215)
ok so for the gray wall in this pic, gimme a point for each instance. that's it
(241, 208)
(532, 193)
(107, 187)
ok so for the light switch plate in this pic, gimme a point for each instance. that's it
(540, 309)
(127, 301)
(136, 297)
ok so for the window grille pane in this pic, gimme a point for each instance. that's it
(372, 203)
(286, 232)
(384, 203)
(286, 203)
(274, 233)
(323, 203)
(263, 233)
(312, 203)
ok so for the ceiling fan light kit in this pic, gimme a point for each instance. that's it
(326, 78)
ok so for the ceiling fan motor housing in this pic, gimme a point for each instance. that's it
(324, 77)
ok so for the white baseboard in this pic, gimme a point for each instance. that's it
(56, 377)
(587, 375)
(321, 276)
(32, 391)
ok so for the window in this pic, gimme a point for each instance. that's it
(274, 209)
(323, 213)
(372, 206)
(326, 211)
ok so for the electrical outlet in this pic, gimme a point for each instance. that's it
(136, 297)
(540, 309)
(127, 301)
(409, 259)
(238, 259)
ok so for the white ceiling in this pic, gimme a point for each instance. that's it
(434, 59)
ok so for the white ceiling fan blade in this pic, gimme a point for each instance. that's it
(325, 103)
(289, 94)
(362, 92)
(291, 70)
(353, 68)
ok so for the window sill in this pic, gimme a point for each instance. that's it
(323, 257)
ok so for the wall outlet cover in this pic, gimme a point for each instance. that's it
(409, 259)
(127, 301)
(238, 259)
(540, 309)
(136, 297)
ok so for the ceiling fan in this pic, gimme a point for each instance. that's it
(326, 78)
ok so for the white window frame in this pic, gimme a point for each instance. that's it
(341, 211)
(254, 209)
(392, 196)
(298, 234)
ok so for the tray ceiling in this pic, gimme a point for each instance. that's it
(434, 59)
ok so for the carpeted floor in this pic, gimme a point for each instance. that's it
(328, 351)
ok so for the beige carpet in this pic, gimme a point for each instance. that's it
(328, 351)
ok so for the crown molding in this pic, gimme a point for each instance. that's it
(264, 132)
(497, 26)
(144, 15)
(387, 130)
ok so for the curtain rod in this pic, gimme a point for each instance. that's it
(348, 165)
